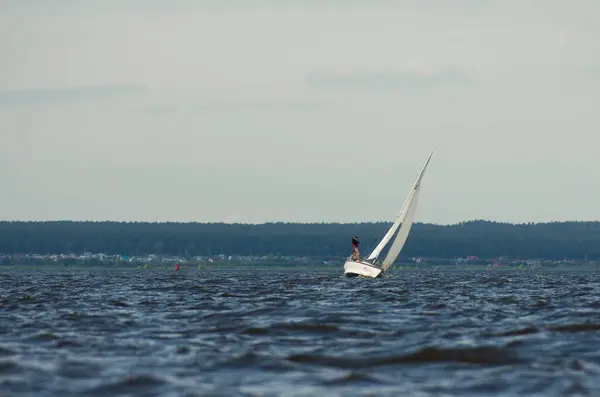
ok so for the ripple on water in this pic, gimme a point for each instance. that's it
(246, 332)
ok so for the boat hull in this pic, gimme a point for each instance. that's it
(354, 269)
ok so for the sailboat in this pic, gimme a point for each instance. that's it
(370, 267)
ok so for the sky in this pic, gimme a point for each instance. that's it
(299, 110)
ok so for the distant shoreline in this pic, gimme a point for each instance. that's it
(555, 241)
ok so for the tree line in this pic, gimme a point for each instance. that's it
(485, 239)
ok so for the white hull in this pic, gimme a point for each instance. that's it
(353, 269)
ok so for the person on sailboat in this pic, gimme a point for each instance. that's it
(355, 252)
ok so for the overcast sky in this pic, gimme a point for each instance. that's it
(299, 110)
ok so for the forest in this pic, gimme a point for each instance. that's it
(484, 239)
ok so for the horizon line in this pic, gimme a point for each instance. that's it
(299, 222)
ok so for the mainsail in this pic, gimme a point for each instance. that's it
(403, 221)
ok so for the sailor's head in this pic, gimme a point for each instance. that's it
(355, 240)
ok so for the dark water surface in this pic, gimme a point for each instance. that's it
(298, 333)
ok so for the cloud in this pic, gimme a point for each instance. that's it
(388, 81)
(63, 6)
(592, 71)
(61, 95)
(240, 106)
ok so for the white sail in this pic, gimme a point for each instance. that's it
(390, 232)
(403, 233)
(386, 238)
(400, 217)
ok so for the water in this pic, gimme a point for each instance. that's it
(298, 333)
